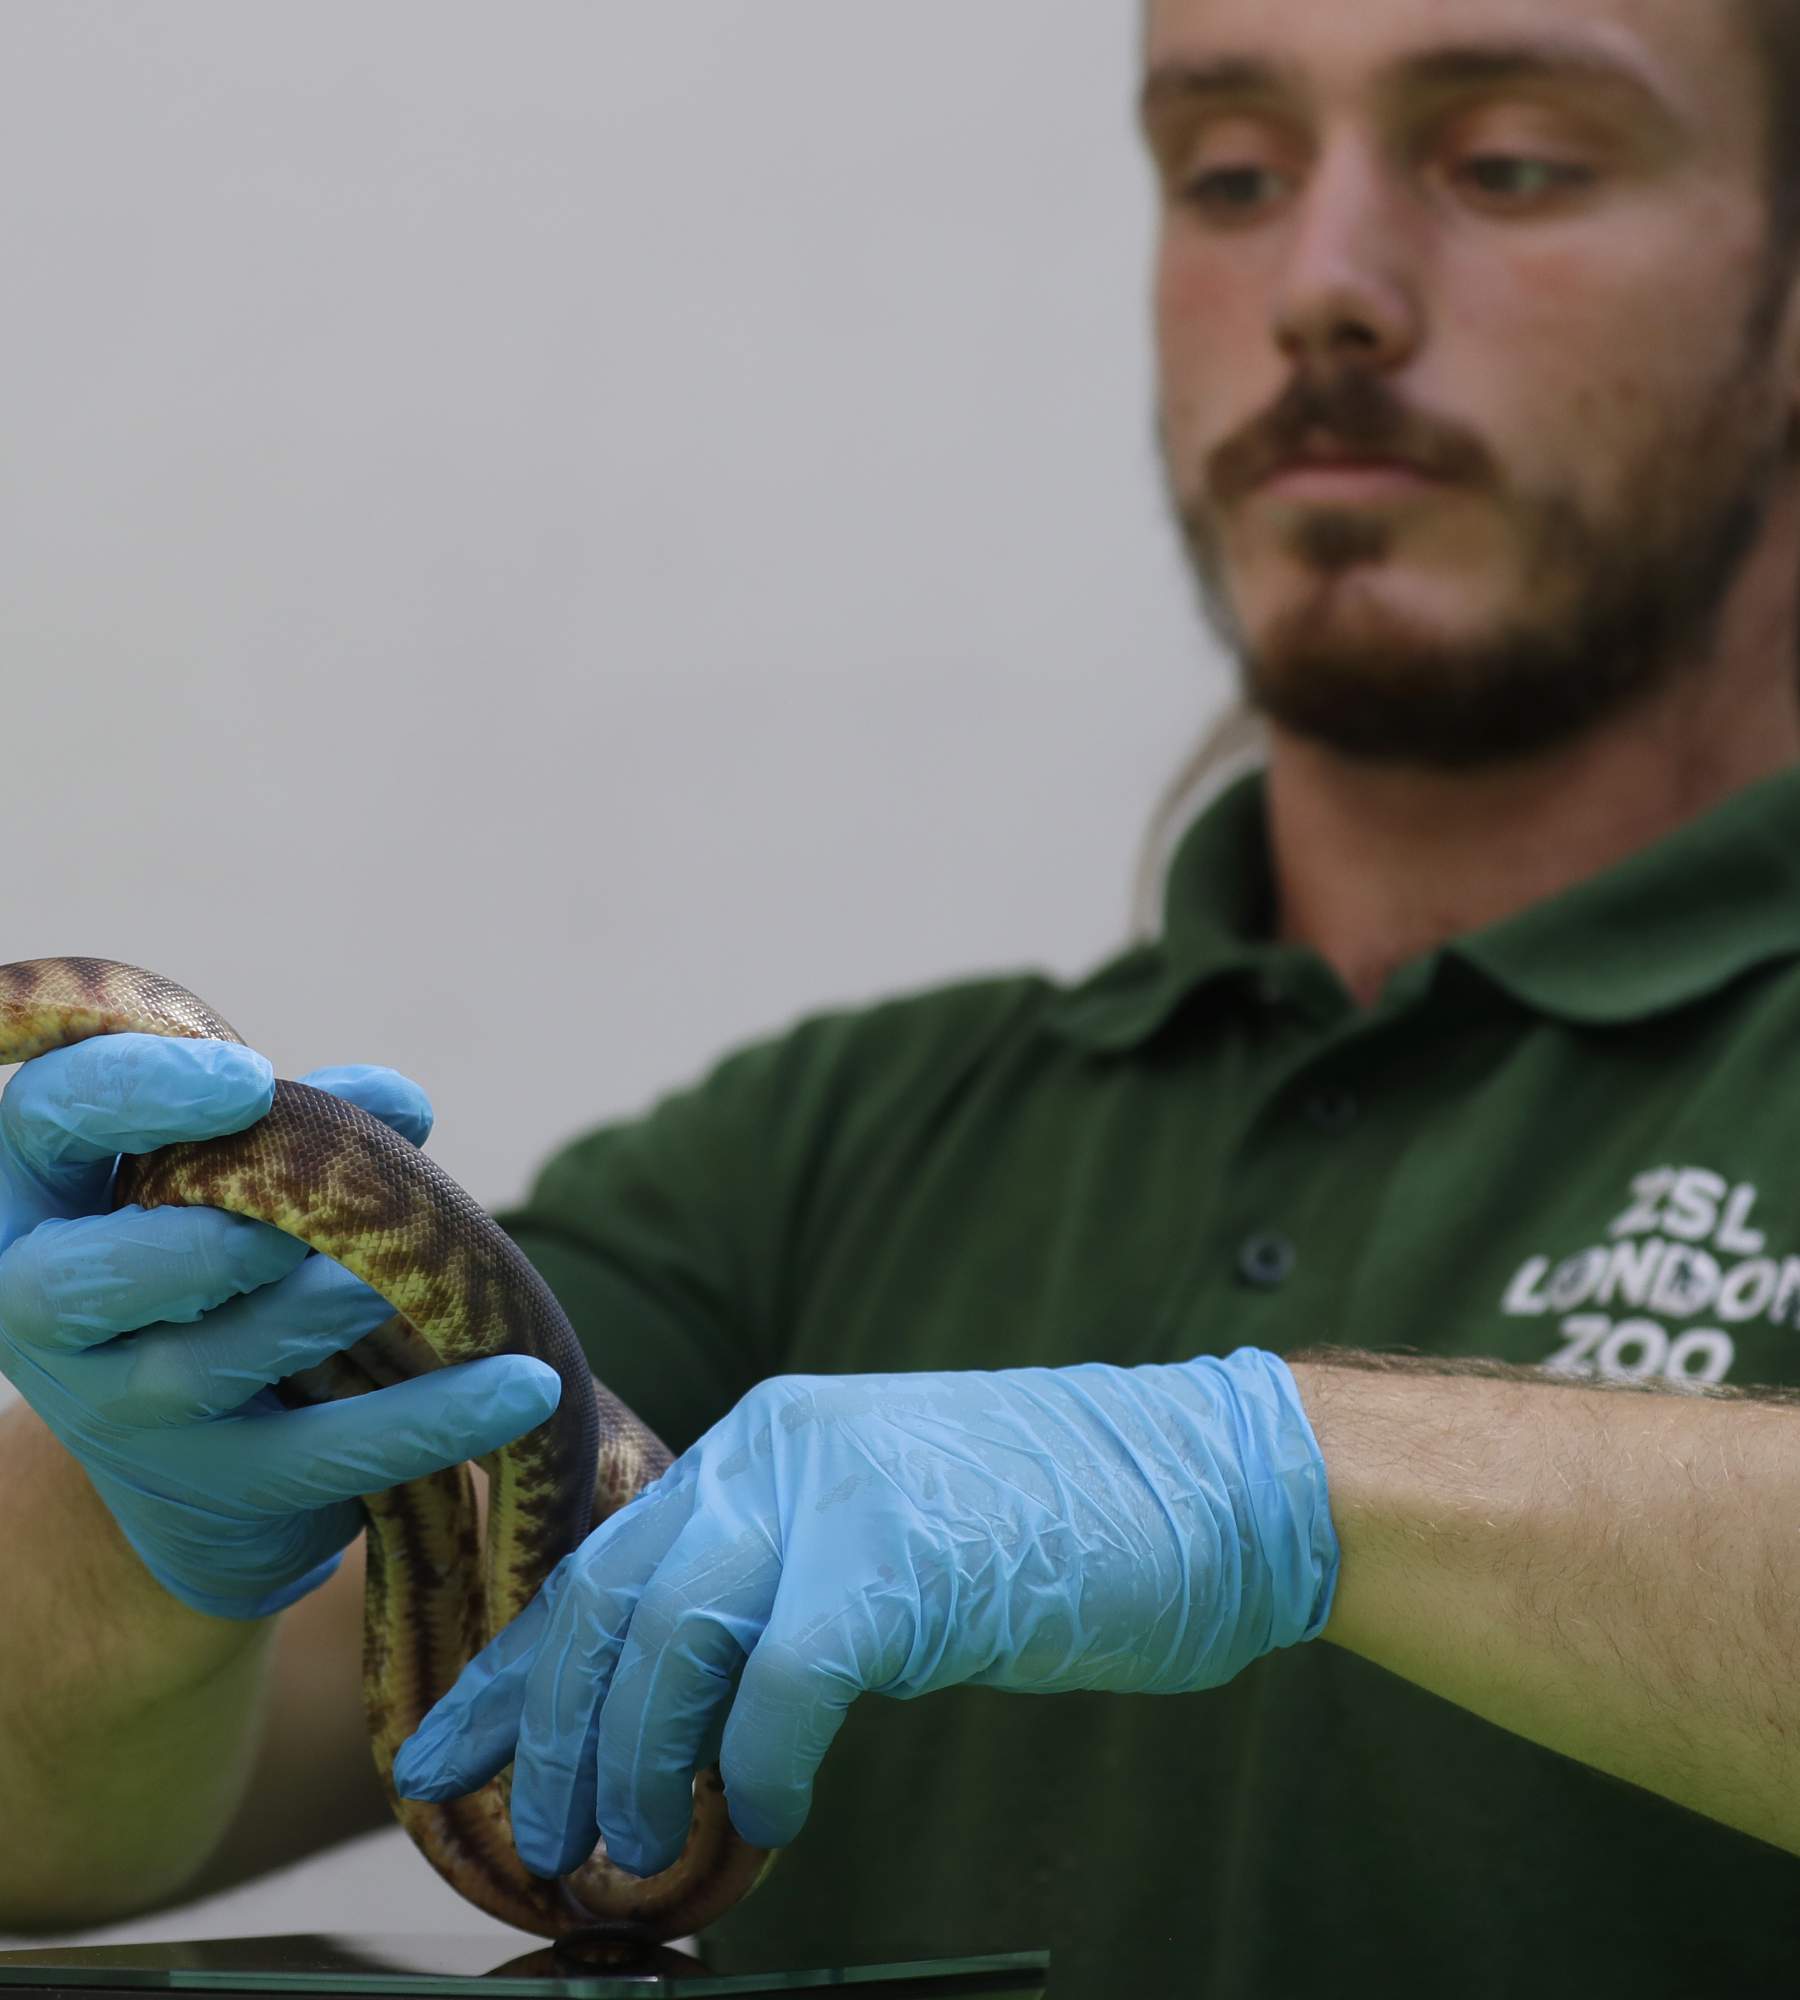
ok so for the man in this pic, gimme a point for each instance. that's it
(1471, 1032)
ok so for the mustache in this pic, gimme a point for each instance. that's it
(1356, 414)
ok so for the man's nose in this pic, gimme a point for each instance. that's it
(1345, 279)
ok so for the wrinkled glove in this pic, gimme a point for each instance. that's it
(236, 1504)
(1144, 1530)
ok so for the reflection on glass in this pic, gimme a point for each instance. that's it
(598, 1965)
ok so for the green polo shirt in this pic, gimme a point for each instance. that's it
(1565, 1141)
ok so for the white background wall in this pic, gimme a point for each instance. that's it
(539, 543)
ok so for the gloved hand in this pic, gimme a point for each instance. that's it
(1146, 1530)
(237, 1504)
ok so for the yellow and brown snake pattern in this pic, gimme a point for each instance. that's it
(340, 1180)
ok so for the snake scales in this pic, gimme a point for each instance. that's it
(340, 1180)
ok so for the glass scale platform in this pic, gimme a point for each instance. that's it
(585, 1967)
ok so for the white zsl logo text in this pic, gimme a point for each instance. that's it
(1684, 1250)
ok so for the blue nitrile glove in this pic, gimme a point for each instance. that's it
(1144, 1530)
(236, 1504)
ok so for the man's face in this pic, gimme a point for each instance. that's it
(1550, 289)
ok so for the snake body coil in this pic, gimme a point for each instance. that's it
(340, 1180)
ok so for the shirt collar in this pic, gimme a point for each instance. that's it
(1218, 912)
(1670, 925)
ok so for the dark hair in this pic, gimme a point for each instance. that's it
(1235, 738)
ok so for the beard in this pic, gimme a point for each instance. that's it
(1642, 594)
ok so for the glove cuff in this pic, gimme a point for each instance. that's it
(1285, 1494)
(216, 1605)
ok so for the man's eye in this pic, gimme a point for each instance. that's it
(1560, 175)
(1199, 192)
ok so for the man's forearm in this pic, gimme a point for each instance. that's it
(127, 1721)
(1612, 1573)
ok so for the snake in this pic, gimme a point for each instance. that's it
(436, 1590)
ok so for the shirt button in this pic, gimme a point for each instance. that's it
(1267, 1260)
(1332, 1110)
